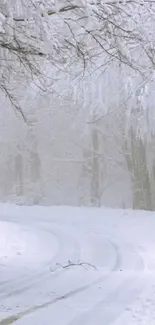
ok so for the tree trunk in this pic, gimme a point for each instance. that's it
(95, 181)
(136, 159)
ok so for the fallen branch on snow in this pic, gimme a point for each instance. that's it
(71, 264)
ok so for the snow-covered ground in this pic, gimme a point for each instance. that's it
(76, 266)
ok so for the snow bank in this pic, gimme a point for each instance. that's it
(12, 242)
(23, 249)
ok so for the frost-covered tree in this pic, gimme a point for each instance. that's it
(92, 64)
(33, 32)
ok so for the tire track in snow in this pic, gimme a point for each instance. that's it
(19, 289)
(111, 306)
(121, 262)
(129, 261)
(71, 293)
(14, 287)
(110, 298)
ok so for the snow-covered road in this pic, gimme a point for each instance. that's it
(76, 266)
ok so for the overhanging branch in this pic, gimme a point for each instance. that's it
(52, 12)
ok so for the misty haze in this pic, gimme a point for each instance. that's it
(77, 162)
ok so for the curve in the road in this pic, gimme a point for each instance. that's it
(117, 279)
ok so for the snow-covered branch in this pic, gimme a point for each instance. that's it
(33, 33)
(52, 12)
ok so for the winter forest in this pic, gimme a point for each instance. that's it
(77, 96)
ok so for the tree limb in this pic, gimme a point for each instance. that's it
(52, 12)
